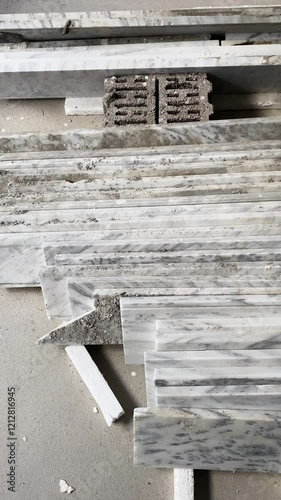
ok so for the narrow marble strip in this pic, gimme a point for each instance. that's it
(248, 397)
(78, 248)
(47, 26)
(167, 257)
(26, 276)
(95, 382)
(154, 217)
(226, 131)
(183, 484)
(177, 377)
(54, 279)
(246, 440)
(184, 360)
(142, 165)
(28, 182)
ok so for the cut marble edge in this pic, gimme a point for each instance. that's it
(184, 484)
(95, 382)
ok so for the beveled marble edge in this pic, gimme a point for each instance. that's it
(187, 439)
(226, 131)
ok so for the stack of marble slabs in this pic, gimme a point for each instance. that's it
(213, 373)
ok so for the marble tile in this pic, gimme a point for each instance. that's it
(47, 26)
(246, 440)
(101, 326)
(231, 397)
(222, 132)
(139, 316)
(54, 279)
(172, 360)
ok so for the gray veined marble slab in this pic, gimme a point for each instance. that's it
(81, 291)
(246, 440)
(139, 316)
(15, 257)
(222, 132)
(231, 397)
(98, 327)
(80, 71)
(143, 217)
(168, 257)
(54, 279)
(200, 375)
(184, 360)
(49, 26)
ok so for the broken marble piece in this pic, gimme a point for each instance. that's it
(101, 326)
(139, 316)
(246, 440)
(95, 382)
(159, 360)
(222, 132)
(231, 397)
(65, 487)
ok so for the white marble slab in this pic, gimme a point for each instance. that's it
(139, 316)
(54, 279)
(185, 360)
(13, 253)
(246, 440)
(222, 132)
(231, 397)
(142, 218)
(48, 26)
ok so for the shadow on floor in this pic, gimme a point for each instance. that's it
(202, 485)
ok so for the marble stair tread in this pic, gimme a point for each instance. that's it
(100, 326)
(222, 132)
(246, 440)
(47, 26)
(231, 397)
(139, 316)
(13, 246)
(54, 279)
(183, 359)
(168, 257)
(217, 375)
